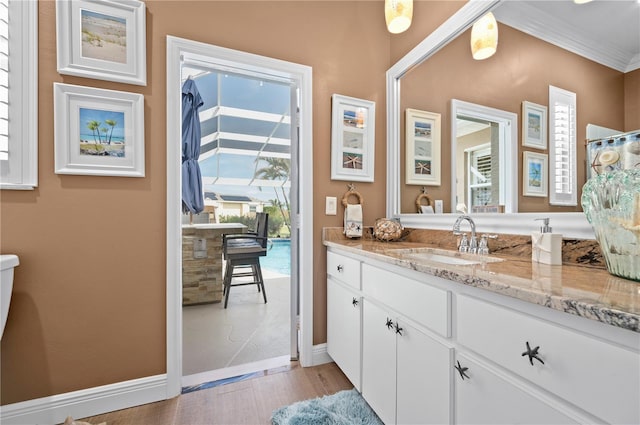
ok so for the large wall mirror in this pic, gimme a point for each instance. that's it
(440, 76)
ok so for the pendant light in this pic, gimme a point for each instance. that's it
(484, 37)
(398, 14)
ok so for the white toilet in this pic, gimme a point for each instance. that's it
(7, 263)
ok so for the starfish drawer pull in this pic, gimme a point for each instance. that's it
(532, 353)
(389, 323)
(462, 370)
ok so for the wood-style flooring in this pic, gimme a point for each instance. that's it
(245, 402)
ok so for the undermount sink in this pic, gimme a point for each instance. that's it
(442, 256)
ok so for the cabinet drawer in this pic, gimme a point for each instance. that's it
(483, 397)
(593, 374)
(344, 269)
(415, 300)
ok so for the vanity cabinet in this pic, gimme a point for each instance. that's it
(423, 349)
(406, 372)
(344, 315)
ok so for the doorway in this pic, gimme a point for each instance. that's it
(484, 159)
(245, 137)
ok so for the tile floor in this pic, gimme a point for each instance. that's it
(247, 331)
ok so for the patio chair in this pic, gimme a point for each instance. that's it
(242, 253)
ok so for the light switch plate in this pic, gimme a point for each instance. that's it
(331, 205)
(438, 209)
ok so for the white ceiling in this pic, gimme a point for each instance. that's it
(605, 31)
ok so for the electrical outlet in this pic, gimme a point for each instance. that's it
(438, 206)
(331, 205)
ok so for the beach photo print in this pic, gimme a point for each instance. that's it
(98, 132)
(105, 40)
(101, 132)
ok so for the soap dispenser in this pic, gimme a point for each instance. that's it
(546, 246)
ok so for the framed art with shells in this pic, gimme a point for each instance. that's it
(422, 147)
(352, 138)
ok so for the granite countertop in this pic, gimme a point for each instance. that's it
(584, 291)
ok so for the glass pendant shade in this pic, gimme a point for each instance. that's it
(484, 37)
(398, 14)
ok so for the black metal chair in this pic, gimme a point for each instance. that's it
(242, 251)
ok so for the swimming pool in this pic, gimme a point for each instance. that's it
(278, 257)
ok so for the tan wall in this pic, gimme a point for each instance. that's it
(522, 69)
(632, 100)
(88, 306)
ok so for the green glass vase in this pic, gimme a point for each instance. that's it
(611, 202)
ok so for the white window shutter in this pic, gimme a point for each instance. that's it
(18, 94)
(563, 188)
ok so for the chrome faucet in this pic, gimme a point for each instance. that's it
(472, 246)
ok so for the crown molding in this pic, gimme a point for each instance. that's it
(555, 30)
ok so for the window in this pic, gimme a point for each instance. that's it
(563, 188)
(18, 94)
(479, 173)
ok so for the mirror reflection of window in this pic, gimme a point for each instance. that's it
(479, 175)
(477, 158)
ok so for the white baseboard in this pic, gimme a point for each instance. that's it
(107, 398)
(320, 355)
(84, 403)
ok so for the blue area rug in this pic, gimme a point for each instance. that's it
(342, 408)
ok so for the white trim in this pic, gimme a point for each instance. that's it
(557, 31)
(451, 28)
(569, 224)
(177, 49)
(508, 122)
(88, 402)
(23, 95)
(320, 355)
(233, 371)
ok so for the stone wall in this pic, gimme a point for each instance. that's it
(202, 277)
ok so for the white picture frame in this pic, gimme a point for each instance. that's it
(102, 39)
(352, 138)
(535, 180)
(98, 132)
(422, 147)
(534, 125)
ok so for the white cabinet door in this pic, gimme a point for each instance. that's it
(343, 329)
(423, 378)
(379, 361)
(483, 397)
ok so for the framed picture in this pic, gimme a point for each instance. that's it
(352, 138)
(105, 39)
(98, 132)
(534, 125)
(534, 178)
(422, 148)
